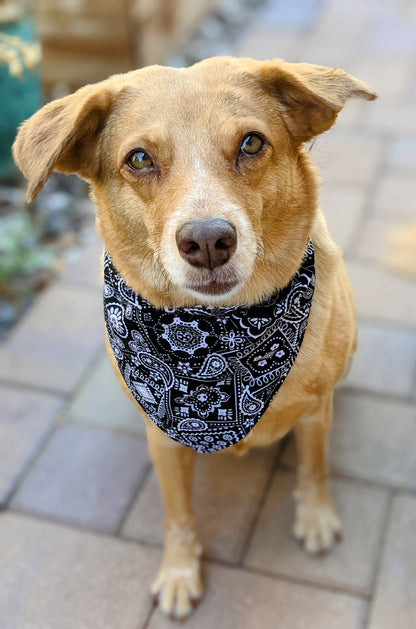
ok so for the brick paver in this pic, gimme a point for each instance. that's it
(385, 360)
(383, 295)
(84, 476)
(241, 599)
(72, 447)
(227, 492)
(101, 401)
(395, 597)
(26, 419)
(394, 196)
(53, 576)
(56, 341)
(351, 563)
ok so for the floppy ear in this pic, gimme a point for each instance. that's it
(64, 136)
(310, 96)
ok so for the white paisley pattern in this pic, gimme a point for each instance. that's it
(206, 375)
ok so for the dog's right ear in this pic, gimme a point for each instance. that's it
(64, 135)
(310, 96)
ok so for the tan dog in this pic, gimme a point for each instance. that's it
(219, 143)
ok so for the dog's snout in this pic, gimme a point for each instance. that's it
(206, 243)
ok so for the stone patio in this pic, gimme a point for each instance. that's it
(81, 520)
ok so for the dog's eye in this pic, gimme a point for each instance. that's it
(139, 160)
(252, 144)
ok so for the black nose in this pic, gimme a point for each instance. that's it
(206, 243)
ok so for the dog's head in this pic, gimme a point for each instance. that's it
(203, 191)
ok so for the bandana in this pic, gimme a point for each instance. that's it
(206, 375)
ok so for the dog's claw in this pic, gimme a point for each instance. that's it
(177, 590)
(317, 527)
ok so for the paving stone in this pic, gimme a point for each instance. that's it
(101, 401)
(390, 33)
(402, 153)
(332, 30)
(85, 477)
(385, 360)
(261, 43)
(350, 564)
(372, 243)
(395, 597)
(352, 115)
(389, 76)
(52, 576)
(382, 295)
(249, 601)
(323, 51)
(227, 490)
(392, 117)
(342, 206)
(374, 440)
(395, 196)
(348, 157)
(25, 420)
(370, 439)
(83, 268)
(53, 345)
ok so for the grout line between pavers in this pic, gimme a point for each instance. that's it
(390, 324)
(149, 617)
(23, 473)
(277, 576)
(34, 388)
(373, 394)
(58, 421)
(262, 500)
(69, 523)
(412, 396)
(79, 384)
(140, 486)
(379, 557)
(375, 264)
(357, 480)
(66, 396)
(121, 431)
(370, 191)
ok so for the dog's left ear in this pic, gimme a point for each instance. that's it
(310, 96)
(64, 135)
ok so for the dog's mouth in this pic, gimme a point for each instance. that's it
(214, 287)
(213, 283)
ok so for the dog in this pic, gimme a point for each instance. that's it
(207, 205)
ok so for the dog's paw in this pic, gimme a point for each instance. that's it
(178, 584)
(317, 526)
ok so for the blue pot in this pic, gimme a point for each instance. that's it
(19, 97)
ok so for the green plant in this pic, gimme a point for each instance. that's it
(20, 254)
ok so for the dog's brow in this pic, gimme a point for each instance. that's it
(152, 140)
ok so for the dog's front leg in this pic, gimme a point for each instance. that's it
(316, 522)
(178, 584)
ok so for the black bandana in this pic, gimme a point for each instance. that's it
(206, 375)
